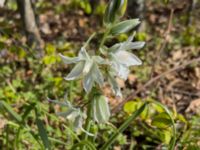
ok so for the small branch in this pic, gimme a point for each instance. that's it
(153, 80)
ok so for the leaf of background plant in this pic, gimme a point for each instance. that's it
(43, 133)
(11, 112)
(28, 110)
(124, 26)
(130, 107)
(173, 137)
(165, 135)
(50, 49)
(161, 120)
(84, 143)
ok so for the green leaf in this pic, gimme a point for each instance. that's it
(130, 107)
(42, 133)
(162, 120)
(124, 26)
(181, 118)
(11, 112)
(165, 136)
(84, 143)
(28, 110)
(50, 49)
(173, 137)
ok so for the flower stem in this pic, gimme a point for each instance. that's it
(89, 39)
(87, 123)
(105, 36)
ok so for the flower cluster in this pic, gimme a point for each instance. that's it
(118, 59)
(74, 115)
(107, 64)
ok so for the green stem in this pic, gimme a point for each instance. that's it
(104, 38)
(87, 124)
(90, 38)
(88, 119)
(105, 35)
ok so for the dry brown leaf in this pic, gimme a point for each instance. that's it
(121, 83)
(194, 106)
(177, 55)
(131, 78)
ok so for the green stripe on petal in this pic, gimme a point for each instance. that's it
(76, 71)
(114, 85)
(88, 81)
(97, 75)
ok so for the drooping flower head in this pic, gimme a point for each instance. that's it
(87, 68)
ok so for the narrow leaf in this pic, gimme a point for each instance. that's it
(43, 133)
(9, 109)
(124, 26)
(124, 126)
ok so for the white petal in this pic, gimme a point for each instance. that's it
(70, 114)
(66, 103)
(127, 58)
(94, 111)
(99, 60)
(88, 82)
(83, 54)
(115, 47)
(114, 85)
(87, 67)
(130, 38)
(125, 46)
(103, 111)
(69, 60)
(76, 71)
(123, 72)
(134, 45)
(78, 122)
(97, 75)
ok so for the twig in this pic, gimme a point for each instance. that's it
(132, 95)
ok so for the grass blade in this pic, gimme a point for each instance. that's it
(84, 143)
(9, 109)
(42, 133)
(28, 110)
(124, 126)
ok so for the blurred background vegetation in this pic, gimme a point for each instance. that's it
(31, 72)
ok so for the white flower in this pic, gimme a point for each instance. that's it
(120, 60)
(114, 85)
(86, 67)
(74, 115)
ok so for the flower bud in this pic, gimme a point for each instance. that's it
(114, 10)
(100, 109)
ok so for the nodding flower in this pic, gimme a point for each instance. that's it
(87, 68)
